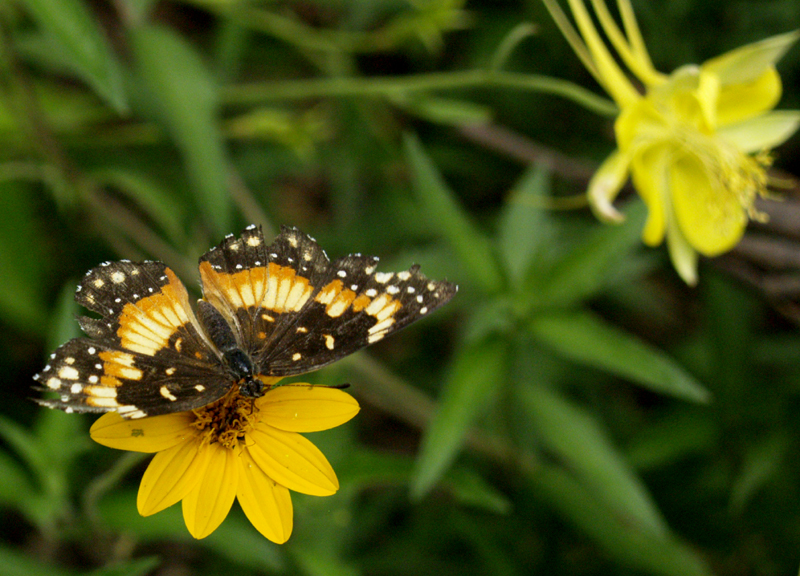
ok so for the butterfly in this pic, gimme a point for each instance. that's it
(267, 311)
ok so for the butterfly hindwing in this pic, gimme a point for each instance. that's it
(355, 306)
(145, 355)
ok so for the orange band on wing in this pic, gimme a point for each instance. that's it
(274, 287)
(146, 326)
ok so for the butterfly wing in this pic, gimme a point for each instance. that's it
(295, 311)
(145, 355)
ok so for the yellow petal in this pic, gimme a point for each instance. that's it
(291, 460)
(746, 63)
(170, 476)
(606, 184)
(306, 408)
(266, 504)
(710, 215)
(681, 253)
(637, 123)
(142, 435)
(764, 132)
(737, 102)
(208, 503)
(648, 172)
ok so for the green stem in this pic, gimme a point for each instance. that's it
(103, 483)
(347, 86)
(387, 391)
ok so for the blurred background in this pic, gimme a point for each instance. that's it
(575, 410)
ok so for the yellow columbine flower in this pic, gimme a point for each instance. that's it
(695, 143)
(236, 447)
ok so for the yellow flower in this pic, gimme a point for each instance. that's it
(695, 142)
(236, 447)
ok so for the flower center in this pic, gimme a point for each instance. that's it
(227, 420)
(729, 169)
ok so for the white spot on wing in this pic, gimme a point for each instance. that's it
(164, 391)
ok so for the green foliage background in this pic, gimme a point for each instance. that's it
(574, 410)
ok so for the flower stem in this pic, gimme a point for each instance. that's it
(103, 483)
(258, 92)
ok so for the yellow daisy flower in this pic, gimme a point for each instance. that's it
(237, 447)
(694, 142)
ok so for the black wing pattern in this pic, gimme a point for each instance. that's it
(295, 311)
(144, 356)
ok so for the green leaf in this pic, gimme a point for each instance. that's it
(180, 93)
(138, 567)
(77, 36)
(587, 339)
(524, 225)
(576, 439)
(623, 541)
(24, 443)
(16, 563)
(251, 551)
(15, 489)
(151, 198)
(675, 435)
(22, 257)
(590, 266)
(476, 375)
(62, 325)
(762, 463)
(439, 202)
(368, 468)
(447, 111)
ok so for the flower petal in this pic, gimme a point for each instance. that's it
(292, 460)
(746, 63)
(266, 504)
(648, 172)
(208, 503)
(171, 475)
(710, 215)
(764, 132)
(306, 408)
(683, 256)
(737, 102)
(152, 434)
(606, 184)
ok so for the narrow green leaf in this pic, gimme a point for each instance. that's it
(138, 567)
(252, 550)
(762, 462)
(675, 435)
(62, 325)
(180, 93)
(578, 440)
(591, 265)
(24, 444)
(447, 111)
(78, 37)
(15, 489)
(153, 199)
(623, 541)
(468, 242)
(366, 468)
(21, 259)
(16, 563)
(587, 339)
(314, 560)
(524, 225)
(476, 375)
